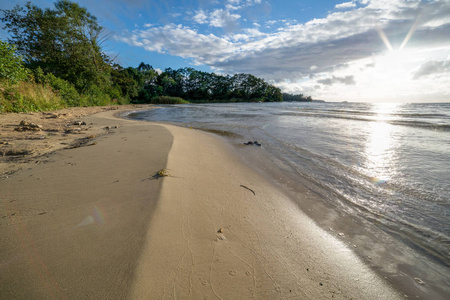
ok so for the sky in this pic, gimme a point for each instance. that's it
(358, 50)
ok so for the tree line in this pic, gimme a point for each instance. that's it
(142, 84)
(60, 49)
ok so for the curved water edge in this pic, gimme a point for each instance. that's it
(381, 166)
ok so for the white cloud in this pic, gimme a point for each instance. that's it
(200, 17)
(232, 7)
(223, 18)
(346, 5)
(217, 18)
(181, 41)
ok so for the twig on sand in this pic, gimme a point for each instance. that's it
(249, 189)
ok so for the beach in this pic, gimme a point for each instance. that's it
(97, 221)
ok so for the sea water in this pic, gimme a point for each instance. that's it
(385, 166)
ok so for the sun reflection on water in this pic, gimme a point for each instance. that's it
(380, 147)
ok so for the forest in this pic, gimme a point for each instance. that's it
(53, 58)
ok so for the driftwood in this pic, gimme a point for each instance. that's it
(253, 143)
(249, 189)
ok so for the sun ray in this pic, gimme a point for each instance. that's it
(410, 33)
(384, 39)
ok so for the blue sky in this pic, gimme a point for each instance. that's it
(358, 50)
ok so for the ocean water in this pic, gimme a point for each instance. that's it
(385, 165)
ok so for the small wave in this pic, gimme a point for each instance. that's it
(419, 115)
(419, 124)
(425, 125)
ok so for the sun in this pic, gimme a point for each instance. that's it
(389, 75)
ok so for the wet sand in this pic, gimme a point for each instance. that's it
(94, 222)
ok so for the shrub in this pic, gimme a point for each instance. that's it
(11, 67)
(28, 96)
(168, 100)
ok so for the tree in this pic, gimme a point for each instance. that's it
(11, 67)
(63, 41)
(297, 97)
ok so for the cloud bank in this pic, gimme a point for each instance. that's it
(342, 49)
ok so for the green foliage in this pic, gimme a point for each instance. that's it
(11, 67)
(297, 97)
(168, 100)
(198, 86)
(97, 97)
(65, 90)
(63, 41)
(28, 96)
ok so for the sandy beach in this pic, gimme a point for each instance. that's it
(96, 222)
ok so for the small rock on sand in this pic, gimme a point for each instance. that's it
(27, 126)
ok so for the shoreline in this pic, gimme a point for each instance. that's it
(234, 234)
(412, 271)
(205, 234)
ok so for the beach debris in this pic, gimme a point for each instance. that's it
(248, 189)
(17, 152)
(159, 174)
(72, 130)
(220, 230)
(253, 143)
(321, 284)
(419, 281)
(87, 141)
(50, 115)
(163, 173)
(341, 234)
(27, 126)
(78, 123)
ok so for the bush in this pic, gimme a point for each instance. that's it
(28, 96)
(168, 100)
(96, 97)
(11, 67)
(63, 88)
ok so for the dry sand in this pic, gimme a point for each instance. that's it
(94, 223)
(73, 226)
(50, 131)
